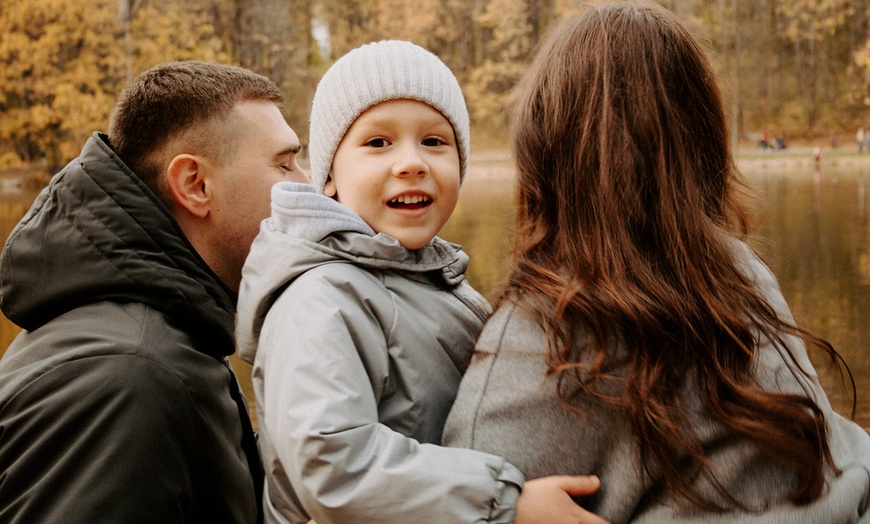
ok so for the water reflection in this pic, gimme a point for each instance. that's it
(812, 228)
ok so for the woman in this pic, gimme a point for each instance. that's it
(638, 337)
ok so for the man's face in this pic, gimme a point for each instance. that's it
(265, 153)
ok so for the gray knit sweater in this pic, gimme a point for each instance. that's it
(507, 406)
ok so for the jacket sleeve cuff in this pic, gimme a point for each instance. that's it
(504, 507)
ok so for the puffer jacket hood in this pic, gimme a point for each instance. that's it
(111, 239)
(308, 229)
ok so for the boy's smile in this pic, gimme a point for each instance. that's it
(398, 168)
(410, 200)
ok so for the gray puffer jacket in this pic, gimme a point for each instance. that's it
(358, 346)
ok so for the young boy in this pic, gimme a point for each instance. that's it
(358, 319)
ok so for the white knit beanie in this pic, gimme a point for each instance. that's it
(375, 73)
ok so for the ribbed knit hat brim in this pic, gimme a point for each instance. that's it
(375, 73)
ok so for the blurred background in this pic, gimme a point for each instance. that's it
(795, 69)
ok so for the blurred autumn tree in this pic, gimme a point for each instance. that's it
(64, 61)
(50, 93)
(798, 68)
(274, 38)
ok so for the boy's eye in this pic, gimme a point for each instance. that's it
(433, 141)
(378, 142)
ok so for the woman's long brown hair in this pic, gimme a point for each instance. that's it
(626, 202)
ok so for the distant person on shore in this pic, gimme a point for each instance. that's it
(859, 139)
(358, 319)
(117, 402)
(638, 337)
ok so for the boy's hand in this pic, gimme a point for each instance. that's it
(548, 500)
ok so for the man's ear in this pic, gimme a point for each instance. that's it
(329, 188)
(187, 179)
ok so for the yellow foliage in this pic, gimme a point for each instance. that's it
(66, 60)
(174, 31)
(491, 86)
(9, 160)
(52, 47)
(812, 19)
(63, 62)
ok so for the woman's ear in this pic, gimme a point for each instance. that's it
(187, 183)
(329, 188)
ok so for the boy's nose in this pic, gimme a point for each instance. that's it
(410, 163)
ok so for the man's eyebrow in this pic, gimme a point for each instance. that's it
(292, 150)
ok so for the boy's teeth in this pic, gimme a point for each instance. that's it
(409, 199)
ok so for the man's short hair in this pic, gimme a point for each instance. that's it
(175, 99)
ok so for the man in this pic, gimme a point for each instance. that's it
(117, 403)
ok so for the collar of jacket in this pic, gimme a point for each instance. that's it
(97, 233)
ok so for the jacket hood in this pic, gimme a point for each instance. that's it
(97, 233)
(307, 229)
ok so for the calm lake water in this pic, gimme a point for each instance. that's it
(812, 228)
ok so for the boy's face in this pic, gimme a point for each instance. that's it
(397, 167)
